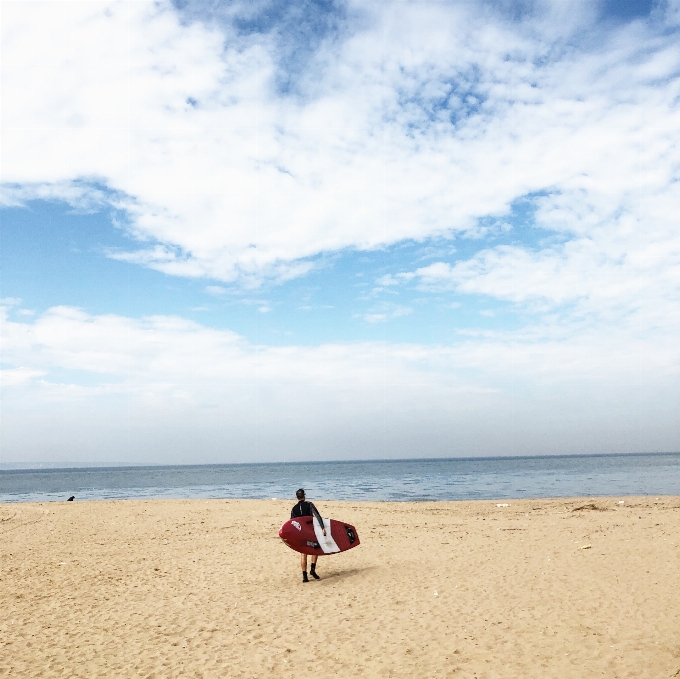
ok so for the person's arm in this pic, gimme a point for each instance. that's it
(317, 516)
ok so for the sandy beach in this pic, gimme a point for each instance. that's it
(539, 588)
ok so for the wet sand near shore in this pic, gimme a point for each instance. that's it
(194, 588)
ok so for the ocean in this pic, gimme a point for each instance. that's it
(394, 480)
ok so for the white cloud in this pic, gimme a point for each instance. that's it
(163, 388)
(611, 269)
(13, 377)
(387, 312)
(215, 289)
(427, 117)
(670, 10)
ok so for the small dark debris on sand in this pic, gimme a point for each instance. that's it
(590, 506)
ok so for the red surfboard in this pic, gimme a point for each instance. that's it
(303, 534)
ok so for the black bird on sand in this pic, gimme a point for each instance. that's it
(71, 499)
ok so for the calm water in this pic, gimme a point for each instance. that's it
(433, 479)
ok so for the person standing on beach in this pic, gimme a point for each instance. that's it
(304, 508)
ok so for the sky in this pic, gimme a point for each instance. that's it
(267, 230)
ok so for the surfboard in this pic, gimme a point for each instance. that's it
(304, 534)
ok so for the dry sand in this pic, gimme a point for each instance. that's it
(450, 589)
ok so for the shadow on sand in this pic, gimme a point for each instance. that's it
(344, 574)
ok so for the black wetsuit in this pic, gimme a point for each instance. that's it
(304, 508)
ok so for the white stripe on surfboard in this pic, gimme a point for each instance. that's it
(326, 542)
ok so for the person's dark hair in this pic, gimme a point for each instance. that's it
(300, 494)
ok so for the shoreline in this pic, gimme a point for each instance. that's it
(538, 498)
(559, 587)
(429, 479)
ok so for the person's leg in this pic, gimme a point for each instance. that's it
(313, 568)
(303, 565)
